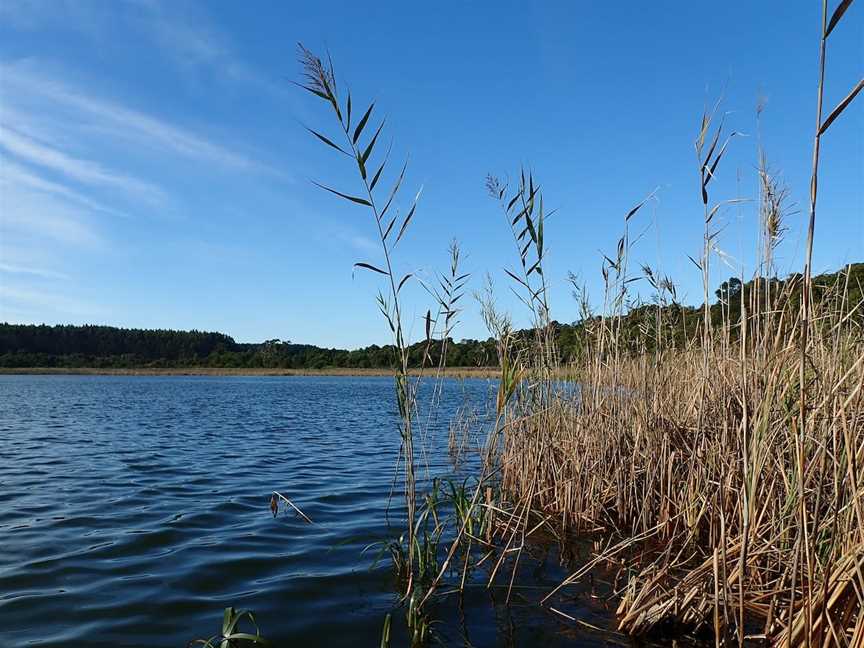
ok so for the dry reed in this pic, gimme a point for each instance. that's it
(726, 472)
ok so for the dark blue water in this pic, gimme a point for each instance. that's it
(134, 509)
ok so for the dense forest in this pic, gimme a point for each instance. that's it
(24, 345)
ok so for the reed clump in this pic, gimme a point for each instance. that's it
(718, 458)
(729, 514)
(723, 474)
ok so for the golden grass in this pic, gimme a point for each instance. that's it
(725, 476)
(695, 466)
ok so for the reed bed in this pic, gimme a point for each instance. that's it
(729, 515)
(716, 461)
(722, 474)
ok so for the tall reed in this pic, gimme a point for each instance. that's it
(359, 145)
(720, 459)
(415, 554)
(726, 472)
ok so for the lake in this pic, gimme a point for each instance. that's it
(133, 509)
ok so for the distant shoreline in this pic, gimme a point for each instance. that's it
(450, 372)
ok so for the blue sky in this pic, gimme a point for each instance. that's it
(155, 172)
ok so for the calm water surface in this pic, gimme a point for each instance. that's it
(133, 509)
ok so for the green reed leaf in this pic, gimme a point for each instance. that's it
(327, 141)
(404, 279)
(348, 112)
(841, 107)
(377, 175)
(371, 145)
(513, 201)
(407, 220)
(395, 189)
(362, 123)
(633, 211)
(836, 16)
(314, 91)
(355, 199)
(369, 266)
(515, 278)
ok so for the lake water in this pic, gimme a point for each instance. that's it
(134, 509)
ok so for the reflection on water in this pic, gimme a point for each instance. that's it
(133, 509)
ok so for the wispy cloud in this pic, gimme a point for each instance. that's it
(44, 217)
(150, 130)
(79, 169)
(179, 30)
(75, 147)
(17, 174)
(192, 40)
(36, 272)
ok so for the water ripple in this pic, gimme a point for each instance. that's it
(133, 509)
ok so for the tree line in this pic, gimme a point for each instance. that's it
(69, 346)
